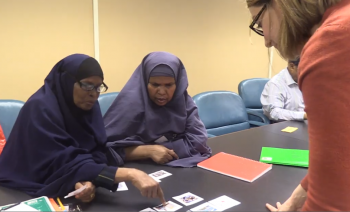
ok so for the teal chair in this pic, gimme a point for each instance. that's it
(106, 100)
(9, 110)
(250, 90)
(222, 112)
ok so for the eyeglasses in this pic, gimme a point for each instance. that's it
(257, 27)
(296, 62)
(89, 87)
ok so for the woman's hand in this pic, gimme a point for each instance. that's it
(146, 185)
(286, 206)
(294, 203)
(161, 154)
(88, 194)
(157, 153)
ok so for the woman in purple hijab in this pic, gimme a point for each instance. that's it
(58, 142)
(153, 117)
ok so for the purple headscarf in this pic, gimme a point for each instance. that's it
(133, 119)
(54, 144)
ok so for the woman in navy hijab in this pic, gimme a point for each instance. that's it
(153, 117)
(58, 142)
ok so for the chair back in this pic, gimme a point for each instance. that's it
(9, 110)
(222, 112)
(250, 90)
(106, 101)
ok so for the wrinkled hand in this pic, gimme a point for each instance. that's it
(162, 155)
(147, 185)
(88, 194)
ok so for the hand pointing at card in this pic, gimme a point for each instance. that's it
(144, 183)
(147, 185)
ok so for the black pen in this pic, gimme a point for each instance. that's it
(5, 209)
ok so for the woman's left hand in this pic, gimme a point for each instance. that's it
(88, 194)
(294, 203)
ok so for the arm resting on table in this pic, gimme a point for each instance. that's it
(137, 152)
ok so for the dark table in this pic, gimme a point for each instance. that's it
(275, 185)
(301, 133)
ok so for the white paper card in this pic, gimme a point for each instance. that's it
(160, 174)
(157, 180)
(224, 202)
(73, 193)
(188, 199)
(147, 210)
(21, 207)
(122, 187)
(170, 206)
(205, 207)
(161, 140)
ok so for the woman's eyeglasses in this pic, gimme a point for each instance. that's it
(89, 87)
(257, 27)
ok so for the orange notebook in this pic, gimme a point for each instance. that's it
(235, 166)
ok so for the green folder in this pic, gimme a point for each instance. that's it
(288, 157)
(40, 204)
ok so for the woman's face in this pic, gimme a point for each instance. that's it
(269, 21)
(83, 98)
(161, 89)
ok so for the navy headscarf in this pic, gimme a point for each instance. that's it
(54, 144)
(133, 119)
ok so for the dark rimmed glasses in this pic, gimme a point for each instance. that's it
(256, 27)
(89, 87)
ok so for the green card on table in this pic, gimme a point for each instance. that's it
(288, 157)
(40, 204)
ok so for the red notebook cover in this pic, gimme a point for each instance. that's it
(2, 140)
(235, 166)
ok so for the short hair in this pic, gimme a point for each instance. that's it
(299, 16)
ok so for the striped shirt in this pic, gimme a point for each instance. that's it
(282, 99)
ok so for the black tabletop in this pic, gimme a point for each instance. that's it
(301, 133)
(275, 185)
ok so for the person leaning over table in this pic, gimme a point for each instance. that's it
(318, 31)
(281, 98)
(58, 142)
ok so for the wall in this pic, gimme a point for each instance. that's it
(208, 36)
(35, 35)
(278, 63)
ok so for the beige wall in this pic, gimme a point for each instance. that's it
(211, 37)
(34, 36)
(278, 63)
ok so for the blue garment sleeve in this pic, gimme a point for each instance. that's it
(106, 179)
